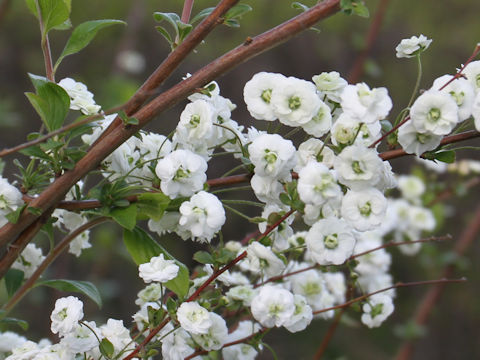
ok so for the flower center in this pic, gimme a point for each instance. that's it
(275, 309)
(376, 310)
(311, 288)
(194, 120)
(458, 97)
(477, 80)
(331, 241)
(3, 202)
(294, 103)
(270, 157)
(181, 174)
(366, 209)
(266, 95)
(356, 167)
(434, 114)
(422, 138)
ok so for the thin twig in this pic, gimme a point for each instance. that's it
(49, 259)
(430, 299)
(187, 11)
(397, 285)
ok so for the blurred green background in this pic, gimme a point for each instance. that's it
(454, 331)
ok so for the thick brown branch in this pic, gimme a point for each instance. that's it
(427, 304)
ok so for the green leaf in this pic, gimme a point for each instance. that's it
(165, 34)
(54, 12)
(203, 257)
(445, 156)
(106, 348)
(356, 7)
(202, 14)
(142, 248)
(299, 6)
(35, 152)
(237, 11)
(83, 34)
(15, 215)
(126, 217)
(13, 280)
(152, 205)
(51, 102)
(13, 321)
(83, 287)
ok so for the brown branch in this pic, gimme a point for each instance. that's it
(397, 285)
(467, 135)
(187, 11)
(359, 64)
(61, 246)
(448, 193)
(57, 190)
(430, 299)
(236, 342)
(331, 330)
(174, 59)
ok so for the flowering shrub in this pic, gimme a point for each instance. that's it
(330, 204)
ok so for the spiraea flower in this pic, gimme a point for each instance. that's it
(215, 336)
(317, 184)
(461, 91)
(435, 112)
(158, 269)
(66, 315)
(365, 209)
(257, 94)
(273, 306)
(196, 123)
(80, 98)
(194, 318)
(410, 47)
(182, 173)
(202, 216)
(262, 259)
(376, 310)
(416, 142)
(10, 199)
(330, 241)
(330, 84)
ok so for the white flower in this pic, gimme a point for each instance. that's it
(434, 111)
(203, 215)
(215, 336)
(117, 334)
(461, 91)
(358, 167)
(422, 218)
(302, 316)
(314, 150)
(348, 130)
(317, 184)
(411, 186)
(376, 310)
(141, 317)
(82, 338)
(262, 259)
(377, 281)
(295, 101)
(364, 209)
(80, 98)
(272, 156)
(158, 269)
(194, 318)
(66, 315)
(153, 146)
(330, 241)
(29, 260)
(81, 242)
(415, 142)
(241, 351)
(176, 345)
(311, 284)
(330, 85)
(196, 123)
(182, 173)
(10, 199)
(372, 262)
(273, 306)
(410, 47)
(336, 285)
(476, 112)
(365, 104)
(151, 293)
(472, 72)
(10, 340)
(266, 189)
(321, 123)
(258, 95)
(243, 293)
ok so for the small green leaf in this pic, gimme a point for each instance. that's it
(13, 280)
(356, 7)
(15, 215)
(202, 14)
(54, 12)
(285, 199)
(83, 34)
(83, 287)
(299, 6)
(232, 23)
(13, 321)
(106, 348)
(203, 257)
(35, 152)
(51, 102)
(445, 156)
(152, 205)
(165, 34)
(34, 210)
(142, 248)
(237, 11)
(126, 216)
